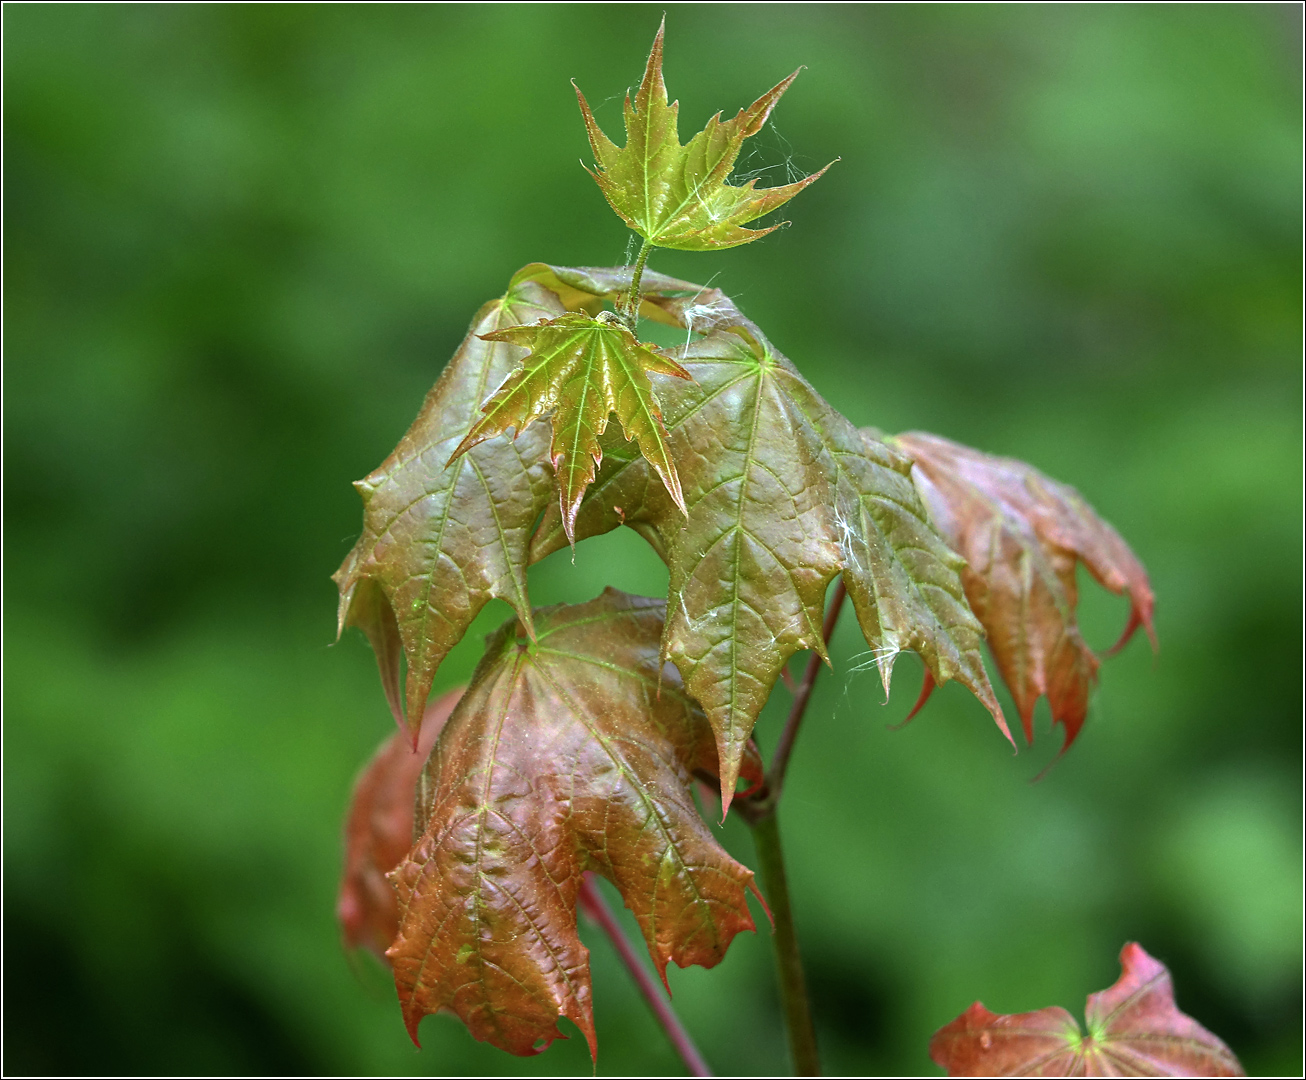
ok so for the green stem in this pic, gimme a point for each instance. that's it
(631, 312)
(789, 961)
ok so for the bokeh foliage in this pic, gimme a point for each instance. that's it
(241, 241)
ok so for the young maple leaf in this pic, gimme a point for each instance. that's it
(581, 369)
(1021, 534)
(781, 494)
(379, 831)
(572, 753)
(676, 196)
(1134, 1029)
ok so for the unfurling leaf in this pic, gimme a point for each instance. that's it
(677, 196)
(782, 493)
(379, 831)
(440, 542)
(574, 752)
(1021, 534)
(581, 369)
(1134, 1029)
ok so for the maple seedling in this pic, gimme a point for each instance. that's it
(576, 749)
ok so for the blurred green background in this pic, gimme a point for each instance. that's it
(240, 243)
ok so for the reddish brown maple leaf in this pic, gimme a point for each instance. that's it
(379, 831)
(574, 752)
(1134, 1029)
(1021, 534)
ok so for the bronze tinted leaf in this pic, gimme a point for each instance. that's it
(440, 542)
(379, 831)
(574, 752)
(581, 369)
(677, 196)
(1021, 534)
(782, 493)
(1134, 1029)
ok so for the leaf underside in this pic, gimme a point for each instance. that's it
(575, 752)
(1134, 1029)
(1021, 534)
(581, 369)
(781, 494)
(677, 196)
(379, 831)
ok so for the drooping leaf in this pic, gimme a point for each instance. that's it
(1021, 534)
(581, 369)
(1134, 1029)
(574, 752)
(677, 196)
(438, 543)
(379, 831)
(782, 493)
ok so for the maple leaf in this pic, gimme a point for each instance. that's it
(1134, 1029)
(571, 753)
(439, 542)
(379, 831)
(781, 494)
(677, 196)
(1021, 534)
(581, 369)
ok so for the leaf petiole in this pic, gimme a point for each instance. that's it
(630, 314)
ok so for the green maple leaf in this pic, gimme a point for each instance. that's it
(676, 196)
(582, 369)
(782, 494)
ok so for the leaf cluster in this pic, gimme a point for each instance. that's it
(577, 745)
(780, 494)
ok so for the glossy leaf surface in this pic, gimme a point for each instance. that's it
(581, 369)
(379, 831)
(782, 493)
(1134, 1029)
(1021, 534)
(677, 196)
(572, 753)
(439, 542)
